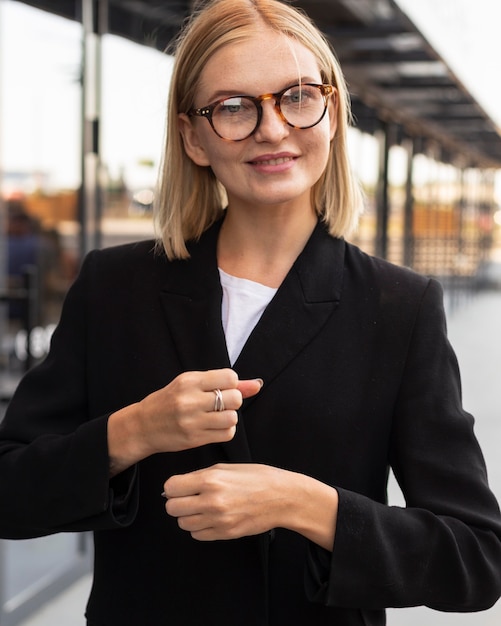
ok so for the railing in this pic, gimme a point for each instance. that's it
(28, 296)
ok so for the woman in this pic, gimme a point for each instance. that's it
(223, 413)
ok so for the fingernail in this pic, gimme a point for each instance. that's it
(260, 381)
(163, 494)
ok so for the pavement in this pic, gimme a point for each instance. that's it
(475, 332)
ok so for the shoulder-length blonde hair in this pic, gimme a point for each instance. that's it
(189, 197)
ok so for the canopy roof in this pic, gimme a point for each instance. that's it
(394, 74)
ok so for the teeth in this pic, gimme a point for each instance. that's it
(275, 161)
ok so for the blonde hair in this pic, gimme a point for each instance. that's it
(189, 197)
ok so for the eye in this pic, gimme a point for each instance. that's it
(301, 94)
(234, 106)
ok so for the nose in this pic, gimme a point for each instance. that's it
(273, 127)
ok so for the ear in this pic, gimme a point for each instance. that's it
(191, 140)
(332, 109)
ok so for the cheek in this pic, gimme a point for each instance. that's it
(320, 145)
(213, 146)
(221, 159)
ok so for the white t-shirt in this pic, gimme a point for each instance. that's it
(243, 304)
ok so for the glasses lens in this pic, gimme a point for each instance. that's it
(303, 105)
(235, 118)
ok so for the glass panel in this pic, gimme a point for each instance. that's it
(135, 82)
(40, 110)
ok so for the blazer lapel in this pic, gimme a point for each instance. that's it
(302, 305)
(191, 298)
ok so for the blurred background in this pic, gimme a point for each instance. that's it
(83, 89)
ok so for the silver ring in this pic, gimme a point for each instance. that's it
(218, 402)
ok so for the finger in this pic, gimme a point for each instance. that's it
(183, 485)
(219, 420)
(182, 506)
(231, 400)
(221, 435)
(206, 534)
(193, 483)
(192, 523)
(224, 378)
(250, 388)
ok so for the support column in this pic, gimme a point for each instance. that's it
(461, 207)
(93, 21)
(382, 197)
(3, 216)
(408, 255)
(487, 206)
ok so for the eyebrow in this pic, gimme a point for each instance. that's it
(221, 94)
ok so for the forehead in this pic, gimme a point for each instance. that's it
(263, 62)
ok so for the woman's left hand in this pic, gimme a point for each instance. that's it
(228, 501)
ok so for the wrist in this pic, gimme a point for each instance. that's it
(311, 509)
(126, 444)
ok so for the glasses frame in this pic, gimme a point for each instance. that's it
(206, 111)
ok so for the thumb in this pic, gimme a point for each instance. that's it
(250, 388)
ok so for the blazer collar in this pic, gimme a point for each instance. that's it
(302, 305)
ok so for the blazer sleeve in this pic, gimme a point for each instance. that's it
(443, 550)
(53, 455)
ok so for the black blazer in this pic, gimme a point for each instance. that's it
(359, 376)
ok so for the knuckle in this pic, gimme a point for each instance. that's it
(228, 434)
(191, 438)
(218, 504)
(212, 478)
(184, 405)
(232, 532)
(187, 380)
(181, 411)
(234, 399)
(231, 378)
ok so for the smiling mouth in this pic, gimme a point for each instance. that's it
(277, 161)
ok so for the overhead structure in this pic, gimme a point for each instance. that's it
(393, 73)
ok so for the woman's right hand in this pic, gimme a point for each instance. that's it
(179, 416)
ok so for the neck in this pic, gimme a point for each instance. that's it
(262, 245)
